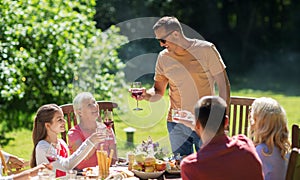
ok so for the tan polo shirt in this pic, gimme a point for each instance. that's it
(189, 75)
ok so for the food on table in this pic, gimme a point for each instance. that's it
(148, 158)
(121, 174)
(149, 161)
(140, 158)
(115, 173)
(90, 172)
(150, 164)
(104, 162)
(160, 165)
(173, 165)
(149, 168)
(131, 159)
(138, 167)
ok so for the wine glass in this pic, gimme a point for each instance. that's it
(108, 118)
(51, 154)
(136, 91)
(109, 122)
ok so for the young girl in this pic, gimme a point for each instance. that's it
(270, 135)
(48, 123)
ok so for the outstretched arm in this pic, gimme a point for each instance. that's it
(156, 92)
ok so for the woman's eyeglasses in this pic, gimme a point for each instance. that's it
(163, 39)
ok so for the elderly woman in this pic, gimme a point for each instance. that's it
(269, 132)
(87, 112)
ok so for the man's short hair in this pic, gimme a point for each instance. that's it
(213, 109)
(170, 23)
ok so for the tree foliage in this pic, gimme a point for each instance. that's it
(251, 36)
(43, 43)
(100, 68)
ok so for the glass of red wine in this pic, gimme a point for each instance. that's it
(108, 121)
(51, 154)
(136, 91)
(108, 118)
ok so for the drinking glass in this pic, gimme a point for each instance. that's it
(176, 114)
(108, 119)
(130, 159)
(103, 129)
(71, 174)
(46, 174)
(136, 91)
(51, 154)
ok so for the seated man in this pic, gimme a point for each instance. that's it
(220, 156)
(87, 112)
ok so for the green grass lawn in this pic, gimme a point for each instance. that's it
(149, 122)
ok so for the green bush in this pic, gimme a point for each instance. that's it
(43, 43)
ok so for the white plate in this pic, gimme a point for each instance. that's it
(183, 115)
(148, 175)
(91, 172)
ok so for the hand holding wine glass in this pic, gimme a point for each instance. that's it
(51, 153)
(103, 130)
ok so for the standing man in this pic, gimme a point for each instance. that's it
(191, 68)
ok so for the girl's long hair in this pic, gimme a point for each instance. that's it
(269, 125)
(44, 115)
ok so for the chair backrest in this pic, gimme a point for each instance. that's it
(295, 136)
(238, 115)
(293, 170)
(71, 118)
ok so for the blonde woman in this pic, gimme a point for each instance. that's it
(269, 132)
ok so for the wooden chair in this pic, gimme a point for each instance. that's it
(293, 170)
(71, 118)
(10, 166)
(13, 170)
(238, 115)
(295, 136)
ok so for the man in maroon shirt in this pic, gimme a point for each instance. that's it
(220, 156)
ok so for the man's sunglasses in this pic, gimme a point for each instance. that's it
(163, 39)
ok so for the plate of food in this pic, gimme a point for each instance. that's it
(91, 172)
(120, 173)
(173, 166)
(182, 116)
(148, 175)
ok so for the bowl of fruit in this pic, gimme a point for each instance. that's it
(148, 167)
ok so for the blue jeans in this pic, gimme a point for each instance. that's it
(182, 139)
